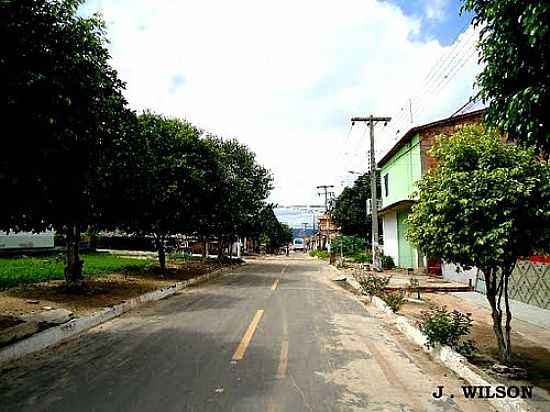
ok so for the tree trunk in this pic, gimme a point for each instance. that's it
(495, 290)
(220, 248)
(73, 268)
(159, 240)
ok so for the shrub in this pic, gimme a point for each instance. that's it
(361, 258)
(387, 262)
(447, 328)
(321, 254)
(394, 300)
(373, 285)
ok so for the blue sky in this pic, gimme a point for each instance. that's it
(441, 19)
(285, 77)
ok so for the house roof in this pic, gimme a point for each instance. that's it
(417, 129)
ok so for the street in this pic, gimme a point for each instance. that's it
(274, 335)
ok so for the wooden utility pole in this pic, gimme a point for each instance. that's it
(326, 193)
(371, 121)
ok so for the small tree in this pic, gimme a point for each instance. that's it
(485, 204)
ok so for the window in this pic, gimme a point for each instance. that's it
(386, 190)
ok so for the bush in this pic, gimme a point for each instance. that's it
(361, 257)
(387, 262)
(373, 285)
(394, 300)
(447, 328)
(321, 254)
(348, 245)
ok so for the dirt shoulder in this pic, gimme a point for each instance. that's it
(530, 343)
(96, 293)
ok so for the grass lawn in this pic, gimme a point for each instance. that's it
(16, 270)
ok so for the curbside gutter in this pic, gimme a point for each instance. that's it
(55, 335)
(444, 354)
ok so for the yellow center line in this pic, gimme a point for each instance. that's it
(283, 361)
(283, 357)
(241, 349)
(274, 286)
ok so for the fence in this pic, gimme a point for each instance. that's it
(529, 283)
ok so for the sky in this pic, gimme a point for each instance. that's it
(285, 77)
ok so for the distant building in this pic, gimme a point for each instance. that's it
(401, 168)
(327, 232)
(26, 240)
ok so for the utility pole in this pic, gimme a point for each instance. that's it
(371, 121)
(305, 234)
(326, 193)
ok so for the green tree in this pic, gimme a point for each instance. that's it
(172, 187)
(272, 233)
(62, 107)
(515, 80)
(242, 188)
(485, 204)
(350, 210)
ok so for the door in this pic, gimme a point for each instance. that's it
(406, 252)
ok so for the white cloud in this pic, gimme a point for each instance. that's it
(283, 77)
(435, 10)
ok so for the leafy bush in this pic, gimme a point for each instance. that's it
(447, 328)
(348, 245)
(394, 300)
(387, 262)
(321, 254)
(373, 285)
(361, 257)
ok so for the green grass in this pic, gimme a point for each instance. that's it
(321, 254)
(16, 270)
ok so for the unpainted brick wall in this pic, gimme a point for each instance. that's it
(428, 138)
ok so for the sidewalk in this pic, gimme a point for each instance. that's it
(522, 311)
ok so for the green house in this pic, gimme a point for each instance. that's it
(400, 170)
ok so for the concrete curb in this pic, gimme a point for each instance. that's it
(445, 355)
(57, 334)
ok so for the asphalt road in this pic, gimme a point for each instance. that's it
(275, 335)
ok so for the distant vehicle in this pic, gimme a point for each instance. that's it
(298, 244)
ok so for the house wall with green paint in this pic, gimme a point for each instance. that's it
(400, 174)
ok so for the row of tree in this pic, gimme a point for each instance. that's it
(74, 155)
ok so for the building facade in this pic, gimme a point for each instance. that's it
(400, 170)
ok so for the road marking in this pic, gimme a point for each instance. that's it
(274, 286)
(283, 357)
(241, 349)
(283, 361)
(283, 269)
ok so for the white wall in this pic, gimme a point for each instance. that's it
(455, 273)
(389, 227)
(26, 240)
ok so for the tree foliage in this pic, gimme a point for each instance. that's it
(243, 186)
(75, 157)
(273, 233)
(485, 204)
(172, 184)
(350, 211)
(62, 107)
(515, 81)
